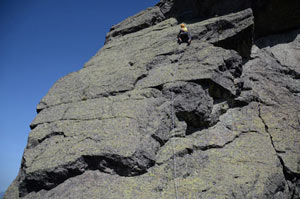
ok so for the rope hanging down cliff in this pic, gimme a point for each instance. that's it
(173, 127)
(180, 38)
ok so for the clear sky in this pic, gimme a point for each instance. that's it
(40, 42)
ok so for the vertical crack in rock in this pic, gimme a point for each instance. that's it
(288, 174)
(209, 83)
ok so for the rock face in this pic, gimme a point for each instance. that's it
(148, 118)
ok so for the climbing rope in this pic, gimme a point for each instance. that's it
(173, 147)
(172, 129)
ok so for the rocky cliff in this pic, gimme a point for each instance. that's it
(148, 118)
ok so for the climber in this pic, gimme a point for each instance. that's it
(184, 35)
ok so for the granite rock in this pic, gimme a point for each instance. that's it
(148, 118)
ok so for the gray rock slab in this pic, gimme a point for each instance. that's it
(218, 119)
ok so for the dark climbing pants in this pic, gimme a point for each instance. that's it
(185, 37)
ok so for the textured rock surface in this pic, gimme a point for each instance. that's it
(105, 131)
(270, 15)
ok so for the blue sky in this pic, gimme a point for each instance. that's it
(40, 42)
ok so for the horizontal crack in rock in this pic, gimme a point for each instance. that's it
(192, 149)
(84, 98)
(113, 164)
(79, 120)
(34, 143)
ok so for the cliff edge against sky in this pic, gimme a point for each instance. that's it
(105, 131)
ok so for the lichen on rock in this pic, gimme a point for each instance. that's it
(106, 131)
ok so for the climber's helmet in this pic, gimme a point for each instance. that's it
(183, 27)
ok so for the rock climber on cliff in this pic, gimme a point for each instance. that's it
(184, 35)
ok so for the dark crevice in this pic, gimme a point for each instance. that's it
(197, 121)
(298, 119)
(220, 25)
(191, 129)
(186, 151)
(158, 87)
(240, 103)
(234, 66)
(182, 153)
(110, 94)
(194, 112)
(116, 164)
(159, 140)
(241, 42)
(112, 164)
(286, 70)
(44, 105)
(214, 146)
(290, 72)
(33, 126)
(216, 91)
(219, 101)
(49, 179)
(267, 130)
(169, 53)
(206, 147)
(289, 175)
(205, 83)
(293, 194)
(34, 143)
(284, 37)
(140, 78)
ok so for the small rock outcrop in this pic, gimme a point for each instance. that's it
(148, 118)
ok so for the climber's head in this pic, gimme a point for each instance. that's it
(183, 27)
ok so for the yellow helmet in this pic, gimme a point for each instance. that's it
(182, 25)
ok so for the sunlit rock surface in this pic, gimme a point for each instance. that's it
(106, 131)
